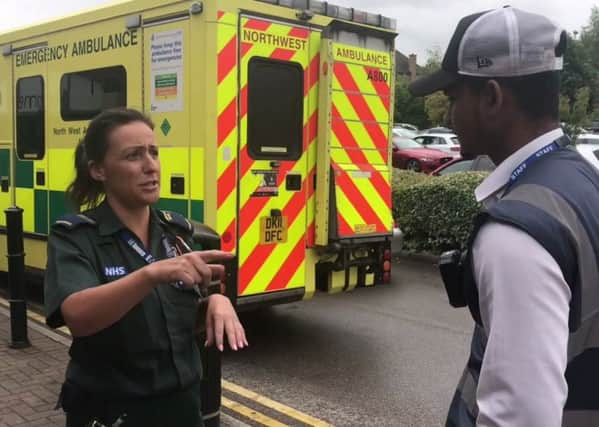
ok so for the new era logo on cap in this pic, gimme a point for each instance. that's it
(483, 62)
(506, 42)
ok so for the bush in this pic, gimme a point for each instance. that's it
(435, 213)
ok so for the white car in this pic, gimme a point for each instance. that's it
(441, 141)
(407, 126)
(588, 147)
(404, 133)
(588, 139)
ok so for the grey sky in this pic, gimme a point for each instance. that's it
(422, 24)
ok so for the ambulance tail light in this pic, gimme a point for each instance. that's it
(387, 266)
(387, 255)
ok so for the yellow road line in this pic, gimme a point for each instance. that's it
(269, 403)
(37, 317)
(229, 386)
(250, 413)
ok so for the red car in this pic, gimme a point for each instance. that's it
(408, 154)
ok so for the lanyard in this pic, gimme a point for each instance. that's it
(132, 242)
(171, 252)
(517, 173)
(137, 248)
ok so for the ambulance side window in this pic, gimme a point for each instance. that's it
(30, 118)
(275, 109)
(85, 94)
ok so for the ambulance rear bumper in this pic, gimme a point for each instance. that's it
(271, 298)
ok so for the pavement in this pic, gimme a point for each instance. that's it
(30, 378)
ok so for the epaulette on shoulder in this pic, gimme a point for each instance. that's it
(176, 219)
(72, 221)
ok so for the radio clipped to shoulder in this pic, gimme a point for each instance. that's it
(451, 267)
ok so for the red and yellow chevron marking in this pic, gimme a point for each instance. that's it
(227, 133)
(260, 265)
(361, 104)
(354, 105)
(363, 200)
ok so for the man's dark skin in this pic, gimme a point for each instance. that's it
(491, 122)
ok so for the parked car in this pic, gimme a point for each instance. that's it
(590, 152)
(587, 138)
(587, 144)
(408, 154)
(437, 130)
(404, 132)
(406, 126)
(440, 141)
(459, 164)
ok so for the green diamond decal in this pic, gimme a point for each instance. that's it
(165, 127)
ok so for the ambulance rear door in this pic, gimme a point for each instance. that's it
(273, 176)
(355, 121)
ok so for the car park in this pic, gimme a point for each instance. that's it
(459, 164)
(406, 126)
(447, 142)
(587, 138)
(437, 130)
(590, 152)
(587, 144)
(404, 132)
(408, 154)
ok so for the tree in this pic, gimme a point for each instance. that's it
(581, 70)
(408, 109)
(433, 63)
(577, 68)
(575, 112)
(436, 105)
(419, 111)
(437, 108)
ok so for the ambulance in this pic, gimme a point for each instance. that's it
(273, 119)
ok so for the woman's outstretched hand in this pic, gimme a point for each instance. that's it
(221, 319)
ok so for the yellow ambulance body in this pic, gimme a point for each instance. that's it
(273, 120)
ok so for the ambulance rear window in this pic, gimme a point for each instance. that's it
(85, 94)
(275, 109)
(30, 118)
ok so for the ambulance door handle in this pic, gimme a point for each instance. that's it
(4, 184)
(276, 212)
(293, 182)
(275, 164)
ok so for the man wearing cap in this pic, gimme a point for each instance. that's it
(530, 276)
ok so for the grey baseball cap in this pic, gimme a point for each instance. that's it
(506, 42)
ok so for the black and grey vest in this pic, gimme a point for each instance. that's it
(556, 201)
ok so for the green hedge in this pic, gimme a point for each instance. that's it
(435, 213)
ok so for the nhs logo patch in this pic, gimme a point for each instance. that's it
(115, 271)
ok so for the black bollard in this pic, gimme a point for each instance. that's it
(16, 277)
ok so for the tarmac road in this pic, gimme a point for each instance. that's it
(383, 356)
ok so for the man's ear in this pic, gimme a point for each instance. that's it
(492, 99)
(96, 171)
